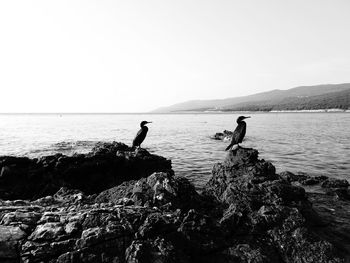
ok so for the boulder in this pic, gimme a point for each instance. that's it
(159, 250)
(303, 178)
(107, 165)
(10, 237)
(158, 189)
(225, 135)
(335, 183)
(266, 206)
(291, 177)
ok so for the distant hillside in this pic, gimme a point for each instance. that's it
(332, 100)
(304, 97)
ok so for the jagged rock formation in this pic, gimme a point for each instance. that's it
(247, 213)
(306, 179)
(108, 164)
(266, 212)
(338, 188)
(159, 189)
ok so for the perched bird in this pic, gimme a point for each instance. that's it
(239, 132)
(141, 134)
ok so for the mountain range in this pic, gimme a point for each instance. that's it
(327, 96)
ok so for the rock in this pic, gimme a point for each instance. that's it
(262, 204)
(201, 233)
(243, 253)
(156, 224)
(335, 212)
(291, 177)
(160, 250)
(156, 190)
(301, 246)
(24, 178)
(310, 181)
(115, 194)
(49, 217)
(47, 231)
(19, 217)
(335, 183)
(64, 230)
(342, 193)
(247, 213)
(321, 178)
(10, 238)
(72, 228)
(218, 136)
(64, 194)
(303, 178)
(4, 171)
(225, 135)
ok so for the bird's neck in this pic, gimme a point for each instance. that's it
(241, 122)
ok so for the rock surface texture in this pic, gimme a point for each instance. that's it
(266, 212)
(108, 164)
(247, 213)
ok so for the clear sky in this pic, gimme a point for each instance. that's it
(134, 56)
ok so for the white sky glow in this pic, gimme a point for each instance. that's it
(135, 56)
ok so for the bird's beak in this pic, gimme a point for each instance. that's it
(246, 117)
(149, 122)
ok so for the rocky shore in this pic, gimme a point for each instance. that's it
(107, 165)
(115, 205)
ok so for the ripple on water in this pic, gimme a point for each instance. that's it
(314, 143)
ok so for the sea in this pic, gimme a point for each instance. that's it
(314, 143)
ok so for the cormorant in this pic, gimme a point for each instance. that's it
(239, 132)
(141, 134)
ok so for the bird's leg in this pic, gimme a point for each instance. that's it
(234, 148)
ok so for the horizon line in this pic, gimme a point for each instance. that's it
(67, 113)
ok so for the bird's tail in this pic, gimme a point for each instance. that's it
(229, 147)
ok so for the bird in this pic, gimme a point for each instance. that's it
(239, 133)
(141, 135)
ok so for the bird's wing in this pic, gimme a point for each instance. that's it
(140, 136)
(235, 136)
(238, 134)
(242, 133)
(234, 139)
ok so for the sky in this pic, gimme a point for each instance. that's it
(136, 56)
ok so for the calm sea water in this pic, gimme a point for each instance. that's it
(316, 143)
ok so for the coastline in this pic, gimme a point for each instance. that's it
(257, 112)
(175, 112)
(288, 111)
(133, 207)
